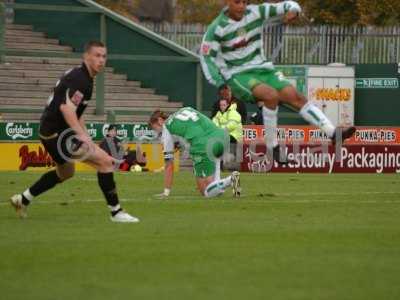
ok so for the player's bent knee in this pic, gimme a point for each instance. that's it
(298, 101)
(302, 100)
(105, 164)
(269, 96)
(64, 176)
(65, 172)
(290, 96)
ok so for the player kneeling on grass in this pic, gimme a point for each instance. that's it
(64, 136)
(206, 142)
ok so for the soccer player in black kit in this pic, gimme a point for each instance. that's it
(63, 134)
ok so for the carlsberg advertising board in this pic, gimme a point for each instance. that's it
(12, 131)
(18, 131)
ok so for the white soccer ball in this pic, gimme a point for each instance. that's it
(136, 168)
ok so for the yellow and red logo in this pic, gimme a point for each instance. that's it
(331, 94)
(34, 159)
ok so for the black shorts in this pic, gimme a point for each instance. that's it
(61, 147)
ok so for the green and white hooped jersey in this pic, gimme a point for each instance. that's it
(230, 47)
(186, 126)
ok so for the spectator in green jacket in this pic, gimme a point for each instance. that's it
(229, 119)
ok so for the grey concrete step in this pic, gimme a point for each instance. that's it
(30, 40)
(23, 117)
(133, 97)
(89, 110)
(41, 102)
(11, 103)
(25, 102)
(28, 80)
(25, 87)
(108, 96)
(116, 76)
(129, 83)
(52, 81)
(141, 103)
(127, 89)
(43, 60)
(42, 67)
(29, 33)
(23, 95)
(49, 87)
(42, 47)
(18, 27)
(142, 109)
(49, 74)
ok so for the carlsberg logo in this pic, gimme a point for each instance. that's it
(121, 131)
(19, 131)
(142, 132)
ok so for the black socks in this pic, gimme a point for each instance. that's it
(107, 185)
(45, 183)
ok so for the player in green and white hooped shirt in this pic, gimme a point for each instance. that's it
(232, 58)
(207, 143)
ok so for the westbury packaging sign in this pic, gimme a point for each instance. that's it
(317, 159)
(371, 149)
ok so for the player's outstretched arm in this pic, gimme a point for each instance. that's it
(209, 49)
(168, 147)
(168, 176)
(285, 10)
(168, 179)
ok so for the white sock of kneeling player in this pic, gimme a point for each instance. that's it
(217, 175)
(270, 118)
(217, 187)
(316, 117)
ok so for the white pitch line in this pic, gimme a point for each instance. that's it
(268, 198)
(331, 194)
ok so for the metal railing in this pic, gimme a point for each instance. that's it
(307, 45)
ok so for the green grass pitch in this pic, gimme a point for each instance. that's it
(291, 236)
